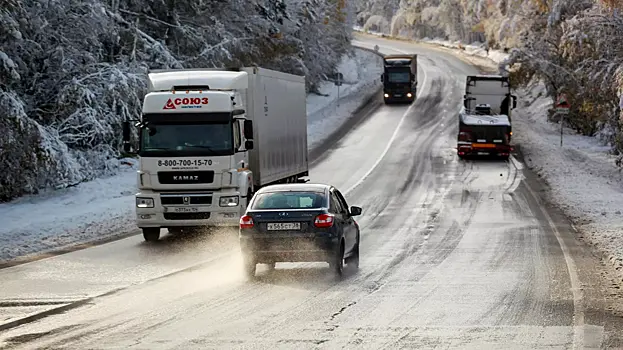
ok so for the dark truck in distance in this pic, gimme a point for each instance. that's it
(399, 78)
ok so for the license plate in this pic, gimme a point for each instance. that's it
(186, 209)
(483, 145)
(275, 226)
(483, 153)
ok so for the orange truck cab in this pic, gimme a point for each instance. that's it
(482, 134)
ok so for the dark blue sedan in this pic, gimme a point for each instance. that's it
(297, 223)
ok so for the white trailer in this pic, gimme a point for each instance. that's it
(490, 90)
(210, 138)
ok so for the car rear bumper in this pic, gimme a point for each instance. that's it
(289, 249)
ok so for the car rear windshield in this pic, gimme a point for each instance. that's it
(289, 200)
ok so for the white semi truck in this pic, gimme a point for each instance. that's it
(210, 138)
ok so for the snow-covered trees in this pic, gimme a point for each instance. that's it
(72, 71)
(575, 46)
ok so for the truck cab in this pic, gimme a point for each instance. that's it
(194, 143)
(399, 78)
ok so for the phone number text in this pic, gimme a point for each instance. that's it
(185, 162)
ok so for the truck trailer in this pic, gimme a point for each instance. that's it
(492, 90)
(210, 138)
(399, 78)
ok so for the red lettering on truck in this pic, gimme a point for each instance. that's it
(191, 101)
(185, 102)
(169, 105)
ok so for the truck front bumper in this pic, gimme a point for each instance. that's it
(399, 96)
(188, 215)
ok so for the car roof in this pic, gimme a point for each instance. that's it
(306, 187)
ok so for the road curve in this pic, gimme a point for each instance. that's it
(454, 255)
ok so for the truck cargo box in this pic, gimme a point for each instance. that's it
(276, 103)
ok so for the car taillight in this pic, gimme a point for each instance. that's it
(465, 136)
(246, 222)
(324, 220)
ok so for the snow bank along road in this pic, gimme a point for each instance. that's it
(454, 255)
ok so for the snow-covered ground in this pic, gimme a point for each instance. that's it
(361, 80)
(582, 177)
(104, 208)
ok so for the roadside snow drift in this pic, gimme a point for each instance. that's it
(582, 176)
(104, 208)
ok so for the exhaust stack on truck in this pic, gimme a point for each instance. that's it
(210, 138)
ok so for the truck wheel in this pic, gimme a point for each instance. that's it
(151, 234)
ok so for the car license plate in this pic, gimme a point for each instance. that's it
(483, 153)
(274, 226)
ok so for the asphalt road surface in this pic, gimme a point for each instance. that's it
(455, 254)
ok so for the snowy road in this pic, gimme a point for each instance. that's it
(454, 255)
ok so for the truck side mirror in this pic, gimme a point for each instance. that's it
(382, 77)
(248, 130)
(127, 136)
(248, 145)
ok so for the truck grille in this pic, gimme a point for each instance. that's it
(186, 216)
(185, 177)
(181, 199)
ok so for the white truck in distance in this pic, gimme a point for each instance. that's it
(209, 138)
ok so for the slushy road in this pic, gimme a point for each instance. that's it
(455, 254)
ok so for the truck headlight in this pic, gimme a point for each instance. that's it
(142, 202)
(230, 201)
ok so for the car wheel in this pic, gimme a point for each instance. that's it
(338, 263)
(249, 264)
(151, 234)
(353, 260)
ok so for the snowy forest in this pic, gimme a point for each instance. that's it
(573, 46)
(72, 71)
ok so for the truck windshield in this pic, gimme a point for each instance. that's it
(399, 77)
(187, 139)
